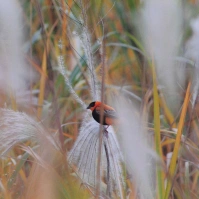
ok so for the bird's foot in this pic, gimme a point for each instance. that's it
(106, 132)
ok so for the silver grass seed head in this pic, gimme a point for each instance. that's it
(84, 155)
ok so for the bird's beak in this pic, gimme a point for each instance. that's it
(88, 107)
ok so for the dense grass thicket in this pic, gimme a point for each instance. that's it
(140, 57)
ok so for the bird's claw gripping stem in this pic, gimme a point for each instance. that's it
(106, 132)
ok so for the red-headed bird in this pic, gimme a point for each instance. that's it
(109, 117)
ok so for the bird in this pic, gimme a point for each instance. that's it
(109, 117)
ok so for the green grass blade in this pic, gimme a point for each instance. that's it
(18, 168)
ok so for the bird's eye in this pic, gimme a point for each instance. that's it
(92, 104)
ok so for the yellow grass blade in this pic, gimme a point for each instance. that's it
(160, 174)
(13, 101)
(42, 83)
(172, 166)
(167, 142)
(169, 116)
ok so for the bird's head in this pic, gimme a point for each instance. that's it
(93, 105)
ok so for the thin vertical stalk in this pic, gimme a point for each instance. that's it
(42, 83)
(64, 27)
(108, 172)
(13, 99)
(44, 60)
(101, 120)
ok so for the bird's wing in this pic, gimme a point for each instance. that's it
(108, 113)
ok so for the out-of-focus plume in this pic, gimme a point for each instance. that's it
(16, 127)
(42, 179)
(161, 32)
(84, 155)
(192, 46)
(135, 145)
(15, 73)
(192, 52)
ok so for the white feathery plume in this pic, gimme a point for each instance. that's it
(161, 30)
(15, 73)
(62, 70)
(86, 44)
(16, 127)
(84, 155)
(136, 150)
(192, 52)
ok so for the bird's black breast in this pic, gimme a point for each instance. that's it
(96, 116)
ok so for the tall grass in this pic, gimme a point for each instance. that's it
(141, 57)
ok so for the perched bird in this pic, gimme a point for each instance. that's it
(109, 117)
